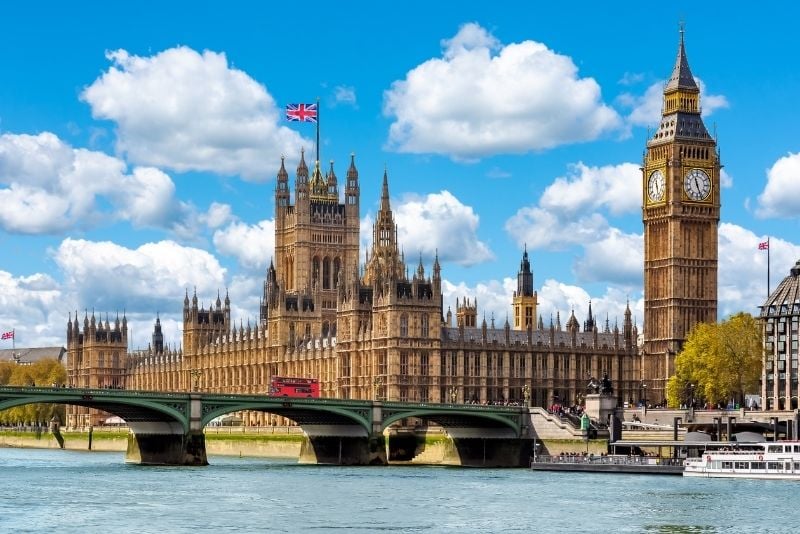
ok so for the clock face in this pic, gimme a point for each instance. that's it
(656, 186)
(697, 184)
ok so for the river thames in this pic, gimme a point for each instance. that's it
(67, 491)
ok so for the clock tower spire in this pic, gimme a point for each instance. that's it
(680, 212)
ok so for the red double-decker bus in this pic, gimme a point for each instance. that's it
(282, 386)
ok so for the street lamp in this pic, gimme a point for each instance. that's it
(376, 384)
(644, 398)
(196, 374)
(453, 391)
(526, 394)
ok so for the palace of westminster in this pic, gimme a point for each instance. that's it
(376, 332)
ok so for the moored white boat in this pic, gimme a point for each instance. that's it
(767, 460)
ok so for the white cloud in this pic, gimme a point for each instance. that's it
(146, 197)
(559, 298)
(743, 268)
(218, 214)
(251, 245)
(343, 94)
(155, 275)
(32, 306)
(568, 210)
(439, 221)
(781, 195)
(543, 229)
(495, 298)
(52, 187)
(631, 78)
(184, 110)
(725, 179)
(617, 258)
(569, 213)
(481, 98)
(615, 187)
(646, 109)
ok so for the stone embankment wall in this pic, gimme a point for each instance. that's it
(269, 442)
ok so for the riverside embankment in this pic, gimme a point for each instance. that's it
(266, 442)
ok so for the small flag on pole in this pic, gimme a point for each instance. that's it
(301, 112)
(764, 245)
(7, 335)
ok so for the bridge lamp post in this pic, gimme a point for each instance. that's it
(376, 384)
(196, 374)
(453, 391)
(644, 397)
(526, 395)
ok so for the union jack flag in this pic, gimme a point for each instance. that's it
(301, 112)
(764, 245)
(7, 335)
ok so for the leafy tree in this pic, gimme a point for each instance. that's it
(45, 372)
(719, 362)
(6, 368)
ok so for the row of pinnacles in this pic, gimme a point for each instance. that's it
(554, 335)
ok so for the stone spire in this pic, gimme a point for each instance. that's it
(681, 77)
(384, 260)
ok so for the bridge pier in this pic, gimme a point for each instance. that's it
(493, 452)
(168, 443)
(165, 444)
(341, 445)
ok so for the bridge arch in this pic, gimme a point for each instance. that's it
(303, 412)
(448, 417)
(132, 409)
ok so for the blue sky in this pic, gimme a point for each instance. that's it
(139, 145)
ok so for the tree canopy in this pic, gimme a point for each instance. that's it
(719, 362)
(44, 372)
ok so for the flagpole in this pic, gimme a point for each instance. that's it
(318, 128)
(767, 268)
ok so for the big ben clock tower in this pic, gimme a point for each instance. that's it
(680, 212)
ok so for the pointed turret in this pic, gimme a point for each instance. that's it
(525, 276)
(158, 337)
(681, 77)
(301, 181)
(282, 189)
(525, 299)
(588, 324)
(333, 186)
(383, 261)
(572, 323)
(351, 193)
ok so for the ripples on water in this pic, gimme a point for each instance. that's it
(66, 491)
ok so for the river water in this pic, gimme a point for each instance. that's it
(66, 491)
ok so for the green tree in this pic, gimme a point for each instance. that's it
(44, 372)
(719, 362)
(6, 368)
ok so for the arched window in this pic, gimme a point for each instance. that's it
(404, 325)
(325, 328)
(326, 274)
(424, 325)
(337, 266)
(315, 272)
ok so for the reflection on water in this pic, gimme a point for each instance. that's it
(68, 491)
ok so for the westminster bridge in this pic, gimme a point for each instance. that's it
(167, 428)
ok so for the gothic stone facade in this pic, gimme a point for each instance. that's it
(378, 332)
(366, 333)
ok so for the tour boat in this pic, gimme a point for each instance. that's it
(774, 459)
